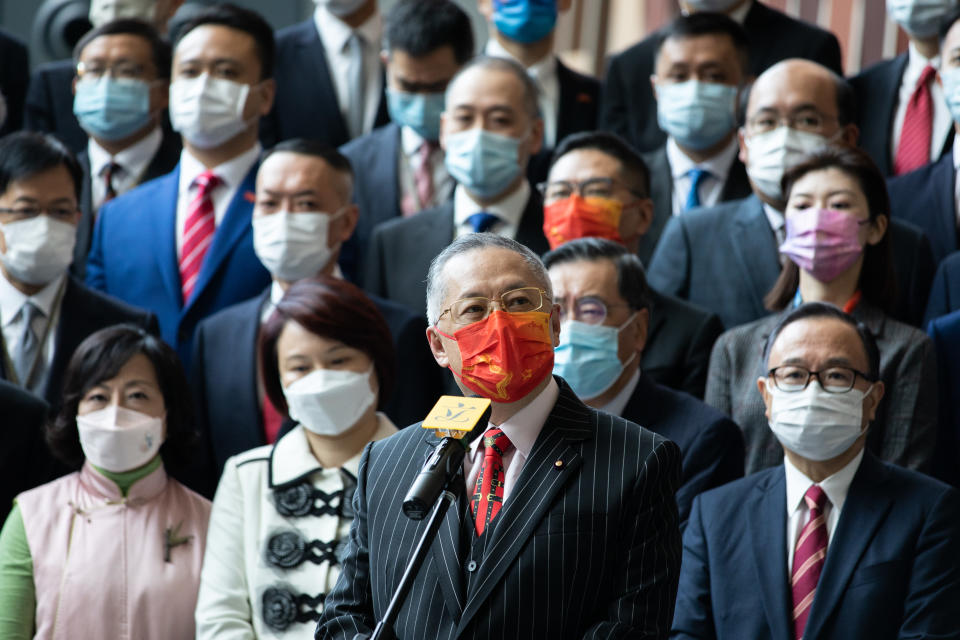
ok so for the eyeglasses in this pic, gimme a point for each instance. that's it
(470, 310)
(62, 212)
(808, 120)
(590, 188)
(123, 70)
(792, 379)
(589, 310)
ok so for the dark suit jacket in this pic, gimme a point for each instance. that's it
(680, 336)
(877, 90)
(924, 197)
(133, 257)
(592, 483)
(22, 448)
(629, 108)
(945, 333)
(49, 105)
(891, 569)
(711, 443)
(14, 78)
(725, 259)
(401, 250)
(224, 375)
(945, 291)
(306, 103)
(165, 161)
(661, 192)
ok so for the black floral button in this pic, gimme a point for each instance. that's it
(296, 500)
(286, 549)
(279, 608)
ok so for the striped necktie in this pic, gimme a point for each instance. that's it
(914, 149)
(198, 232)
(808, 558)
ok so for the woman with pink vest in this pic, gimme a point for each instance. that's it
(113, 550)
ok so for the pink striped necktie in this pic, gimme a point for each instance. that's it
(808, 558)
(914, 149)
(198, 232)
(422, 182)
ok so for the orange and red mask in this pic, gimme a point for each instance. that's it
(506, 355)
(575, 217)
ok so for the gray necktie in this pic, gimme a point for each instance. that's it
(29, 346)
(356, 85)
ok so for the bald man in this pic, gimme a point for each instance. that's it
(725, 258)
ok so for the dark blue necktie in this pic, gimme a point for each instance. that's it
(482, 221)
(696, 179)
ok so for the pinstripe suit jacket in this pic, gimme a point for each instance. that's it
(587, 546)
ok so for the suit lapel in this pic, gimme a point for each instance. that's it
(73, 326)
(537, 487)
(166, 157)
(864, 511)
(943, 185)
(760, 264)
(323, 84)
(661, 192)
(767, 515)
(889, 89)
(737, 185)
(530, 229)
(385, 168)
(164, 221)
(577, 104)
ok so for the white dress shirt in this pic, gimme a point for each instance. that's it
(942, 122)
(335, 35)
(836, 487)
(133, 162)
(522, 429)
(711, 185)
(544, 74)
(619, 402)
(11, 301)
(408, 163)
(509, 210)
(231, 173)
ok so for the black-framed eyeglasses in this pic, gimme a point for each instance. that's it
(590, 188)
(470, 310)
(588, 309)
(62, 212)
(792, 378)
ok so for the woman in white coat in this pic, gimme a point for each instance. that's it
(281, 511)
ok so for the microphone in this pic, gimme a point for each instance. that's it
(458, 421)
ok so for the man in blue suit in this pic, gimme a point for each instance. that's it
(181, 245)
(403, 171)
(834, 544)
(605, 316)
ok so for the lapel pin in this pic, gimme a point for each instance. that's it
(249, 196)
(558, 465)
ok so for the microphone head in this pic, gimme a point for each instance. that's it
(459, 417)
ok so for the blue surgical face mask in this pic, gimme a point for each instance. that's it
(419, 111)
(919, 18)
(483, 162)
(525, 21)
(112, 109)
(587, 357)
(950, 78)
(696, 114)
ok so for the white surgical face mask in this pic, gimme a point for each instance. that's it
(718, 6)
(773, 152)
(340, 8)
(117, 439)
(919, 18)
(38, 249)
(815, 424)
(293, 245)
(330, 401)
(103, 11)
(208, 111)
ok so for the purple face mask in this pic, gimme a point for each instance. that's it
(822, 242)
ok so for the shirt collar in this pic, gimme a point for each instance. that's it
(134, 159)
(774, 217)
(956, 156)
(718, 166)
(540, 71)
(509, 209)
(523, 427)
(410, 141)
(739, 15)
(12, 299)
(836, 486)
(619, 401)
(916, 62)
(334, 32)
(232, 172)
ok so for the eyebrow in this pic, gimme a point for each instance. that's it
(829, 194)
(295, 194)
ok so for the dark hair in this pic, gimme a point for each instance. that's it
(631, 279)
(703, 23)
(314, 148)
(825, 310)
(159, 47)
(100, 357)
(420, 27)
(234, 17)
(334, 309)
(531, 94)
(878, 281)
(24, 154)
(947, 22)
(634, 170)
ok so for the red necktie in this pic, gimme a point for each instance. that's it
(422, 182)
(488, 492)
(808, 558)
(272, 420)
(110, 170)
(198, 232)
(914, 149)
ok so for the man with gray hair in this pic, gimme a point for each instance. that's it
(566, 523)
(490, 128)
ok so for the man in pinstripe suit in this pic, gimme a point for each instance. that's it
(583, 539)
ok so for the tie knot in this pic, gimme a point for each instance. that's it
(926, 75)
(29, 311)
(482, 221)
(494, 438)
(110, 169)
(697, 175)
(815, 498)
(207, 182)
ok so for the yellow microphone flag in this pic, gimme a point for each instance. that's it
(455, 416)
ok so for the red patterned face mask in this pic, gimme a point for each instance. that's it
(576, 217)
(506, 355)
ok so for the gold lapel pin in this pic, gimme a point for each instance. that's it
(558, 465)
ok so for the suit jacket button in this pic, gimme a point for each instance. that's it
(472, 566)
